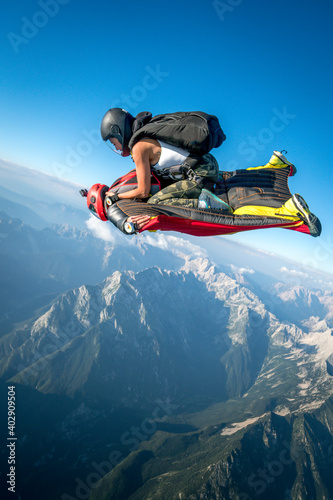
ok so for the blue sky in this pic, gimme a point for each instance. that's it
(264, 68)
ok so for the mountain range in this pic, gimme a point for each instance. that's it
(159, 366)
(183, 380)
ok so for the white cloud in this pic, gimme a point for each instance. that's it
(102, 230)
(242, 270)
(266, 252)
(293, 272)
(178, 246)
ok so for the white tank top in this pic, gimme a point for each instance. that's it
(170, 156)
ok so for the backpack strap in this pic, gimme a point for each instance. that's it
(187, 171)
(189, 166)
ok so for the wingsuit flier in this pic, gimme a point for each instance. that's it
(193, 196)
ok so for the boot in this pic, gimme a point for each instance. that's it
(278, 160)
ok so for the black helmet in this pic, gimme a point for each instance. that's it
(117, 123)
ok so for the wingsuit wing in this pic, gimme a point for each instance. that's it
(255, 194)
(197, 222)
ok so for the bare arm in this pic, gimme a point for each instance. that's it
(145, 153)
(141, 156)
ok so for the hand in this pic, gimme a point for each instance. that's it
(110, 198)
(140, 220)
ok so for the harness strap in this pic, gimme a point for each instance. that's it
(185, 171)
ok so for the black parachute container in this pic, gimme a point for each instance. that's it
(195, 131)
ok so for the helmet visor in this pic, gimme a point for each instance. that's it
(113, 147)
